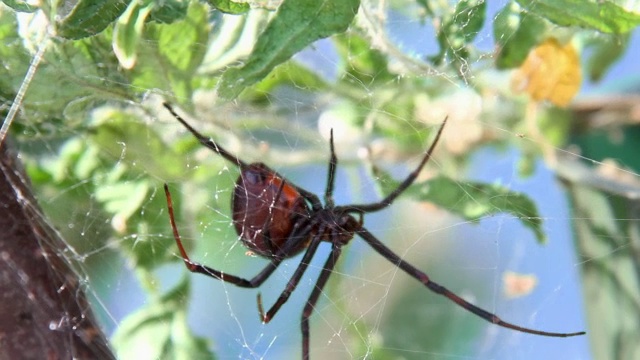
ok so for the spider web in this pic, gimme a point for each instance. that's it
(369, 308)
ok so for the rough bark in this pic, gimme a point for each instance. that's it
(44, 313)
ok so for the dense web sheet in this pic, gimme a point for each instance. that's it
(99, 176)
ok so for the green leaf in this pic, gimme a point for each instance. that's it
(363, 62)
(75, 80)
(469, 200)
(169, 11)
(126, 138)
(148, 243)
(297, 24)
(123, 198)
(605, 49)
(469, 18)
(160, 331)
(127, 33)
(556, 126)
(230, 7)
(527, 163)
(460, 29)
(289, 73)
(169, 55)
(87, 162)
(14, 59)
(126, 201)
(516, 32)
(604, 15)
(21, 6)
(89, 17)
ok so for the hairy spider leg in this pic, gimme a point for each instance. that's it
(333, 164)
(295, 278)
(209, 143)
(203, 269)
(403, 186)
(412, 271)
(327, 270)
(205, 140)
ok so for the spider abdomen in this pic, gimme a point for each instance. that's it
(263, 218)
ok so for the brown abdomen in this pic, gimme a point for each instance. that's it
(257, 212)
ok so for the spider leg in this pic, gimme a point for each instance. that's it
(293, 282)
(402, 187)
(208, 142)
(378, 246)
(333, 163)
(203, 269)
(205, 140)
(315, 294)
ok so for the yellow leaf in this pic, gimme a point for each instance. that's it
(550, 72)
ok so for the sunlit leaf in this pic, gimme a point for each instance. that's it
(551, 72)
(22, 6)
(123, 198)
(603, 15)
(127, 33)
(13, 56)
(87, 162)
(89, 17)
(289, 73)
(160, 331)
(170, 54)
(232, 40)
(230, 7)
(71, 81)
(126, 138)
(126, 200)
(169, 11)
(297, 24)
(471, 201)
(361, 60)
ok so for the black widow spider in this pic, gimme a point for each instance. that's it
(277, 219)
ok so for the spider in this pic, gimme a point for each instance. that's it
(277, 219)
